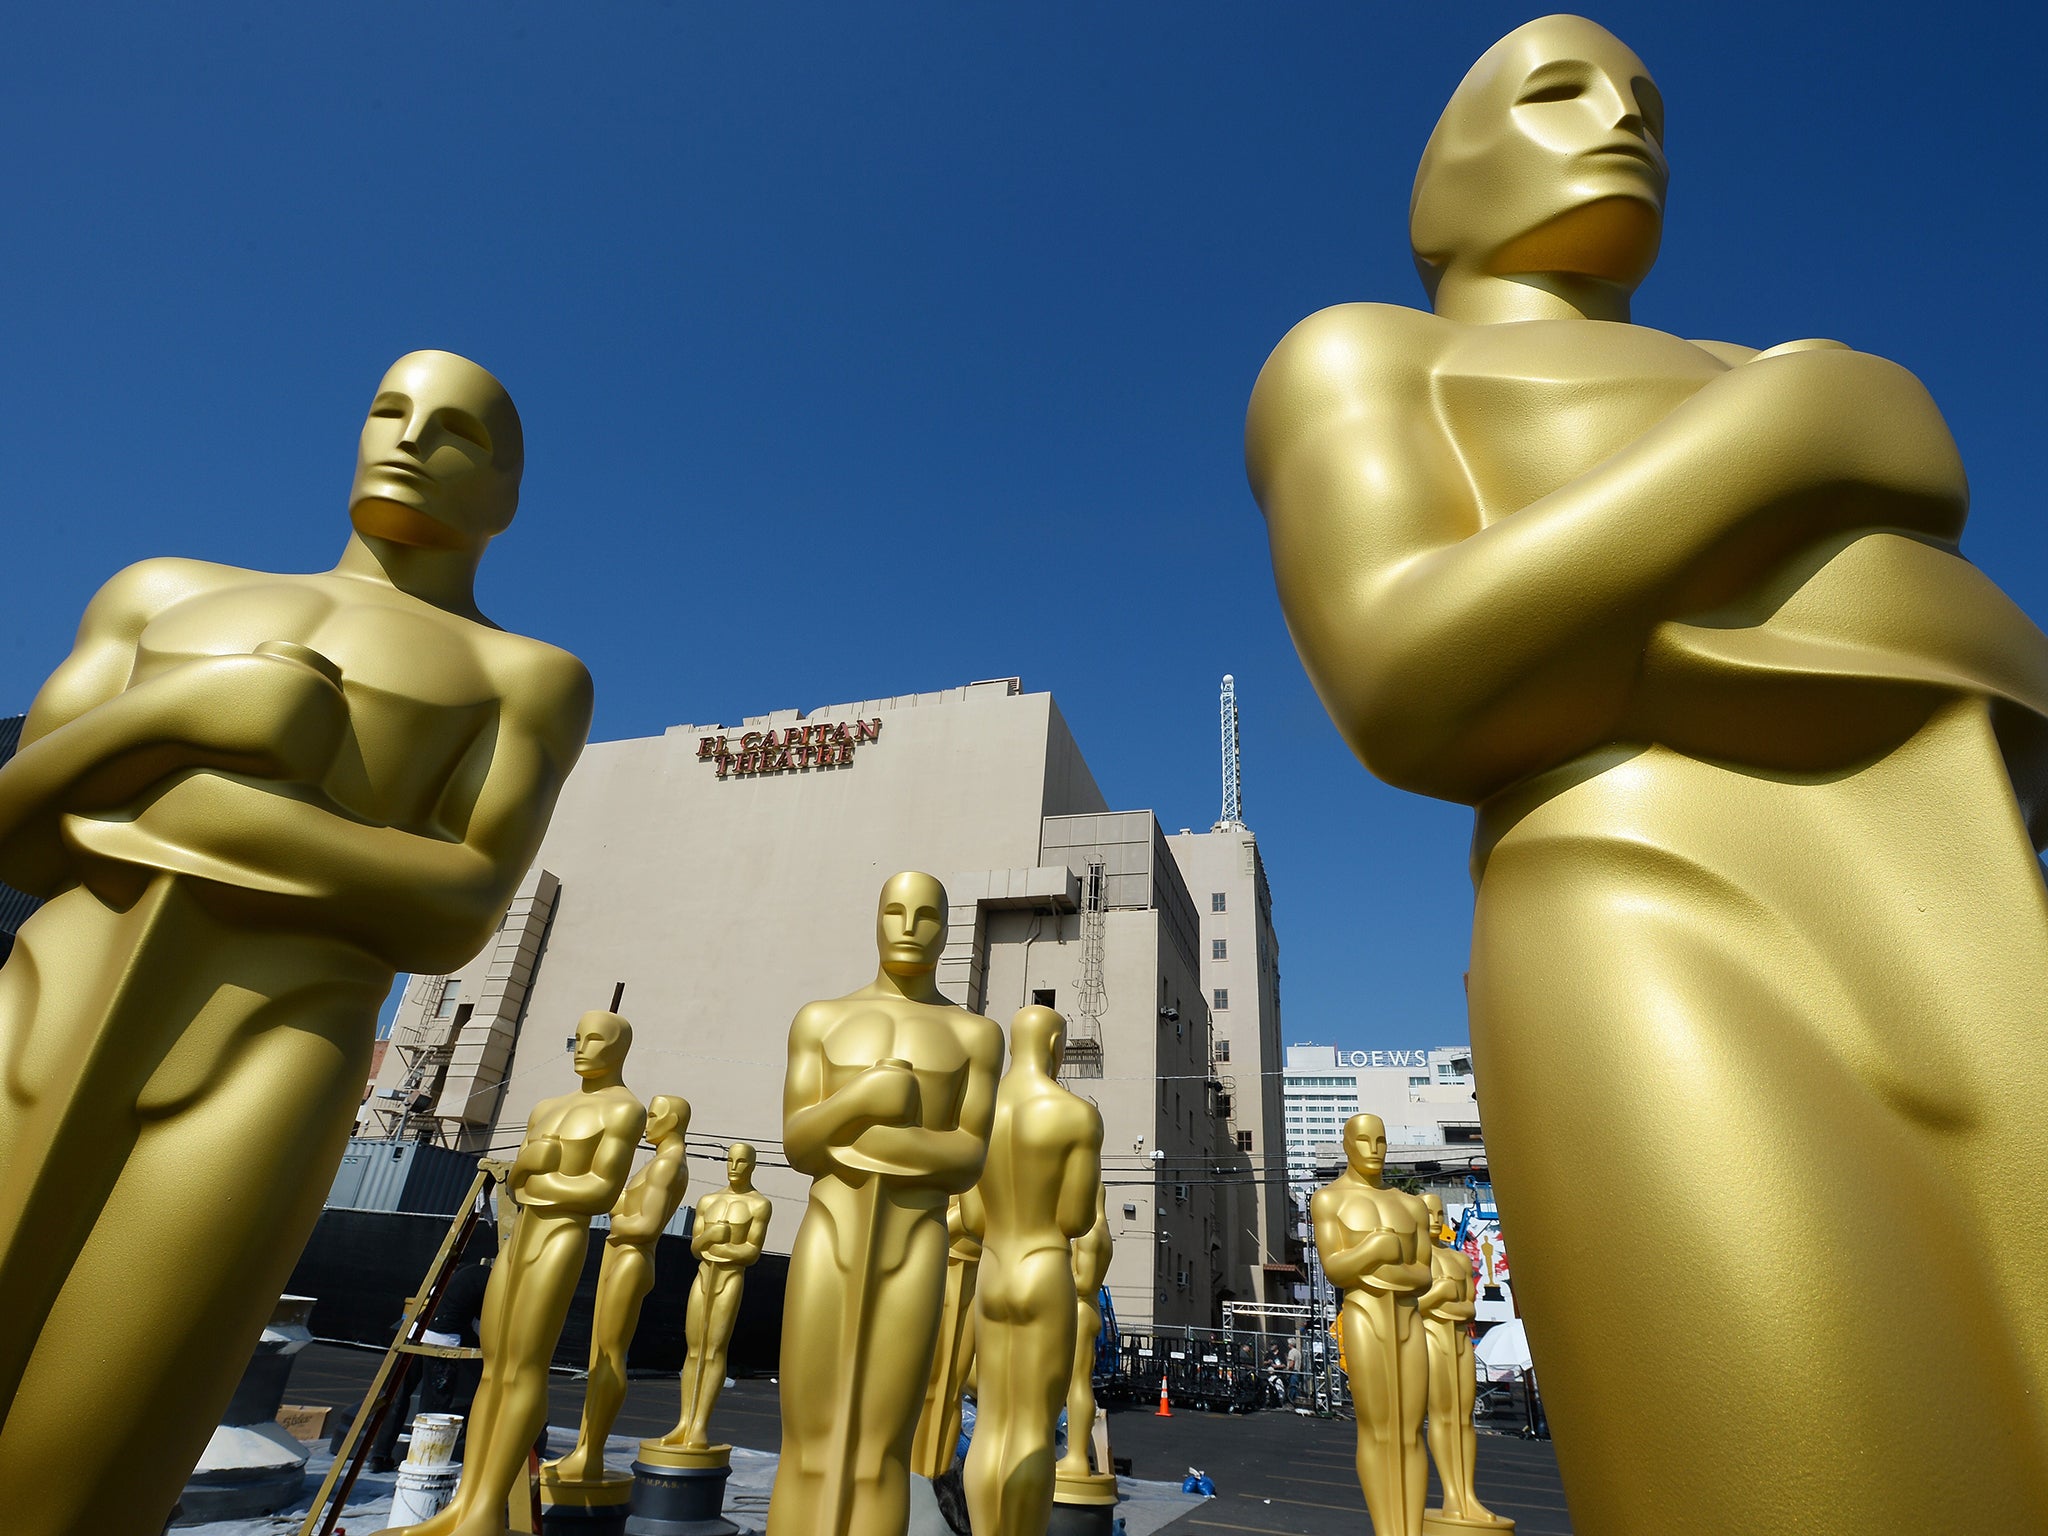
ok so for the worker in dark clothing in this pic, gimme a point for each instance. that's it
(442, 1385)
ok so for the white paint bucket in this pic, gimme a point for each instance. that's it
(433, 1440)
(422, 1492)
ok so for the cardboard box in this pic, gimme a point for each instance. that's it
(304, 1423)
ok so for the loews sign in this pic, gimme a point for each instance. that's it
(801, 746)
(1383, 1058)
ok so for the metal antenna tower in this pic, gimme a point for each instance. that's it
(1232, 818)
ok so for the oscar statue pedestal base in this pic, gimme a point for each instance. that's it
(680, 1493)
(1083, 1505)
(1436, 1523)
(584, 1509)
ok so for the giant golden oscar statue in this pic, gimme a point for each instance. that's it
(730, 1231)
(887, 1106)
(1039, 1195)
(625, 1276)
(1760, 763)
(1447, 1310)
(1374, 1245)
(572, 1166)
(251, 799)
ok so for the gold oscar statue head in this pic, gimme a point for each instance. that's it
(1547, 164)
(910, 923)
(739, 1165)
(439, 462)
(1365, 1146)
(1439, 1228)
(1038, 1038)
(666, 1114)
(602, 1040)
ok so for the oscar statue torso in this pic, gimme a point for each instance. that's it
(217, 920)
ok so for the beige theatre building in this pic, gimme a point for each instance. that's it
(715, 878)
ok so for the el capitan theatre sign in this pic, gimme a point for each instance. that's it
(800, 746)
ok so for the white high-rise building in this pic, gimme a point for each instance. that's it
(1425, 1095)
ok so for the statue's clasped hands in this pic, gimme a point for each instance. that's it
(889, 1092)
(279, 709)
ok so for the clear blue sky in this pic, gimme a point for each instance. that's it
(865, 349)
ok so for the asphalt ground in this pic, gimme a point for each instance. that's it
(1277, 1473)
(1280, 1473)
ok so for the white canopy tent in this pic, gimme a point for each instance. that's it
(1505, 1348)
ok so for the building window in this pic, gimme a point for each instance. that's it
(1244, 1141)
(1418, 1082)
(449, 994)
(1216, 901)
(1223, 1050)
(1222, 996)
(1219, 949)
(1042, 997)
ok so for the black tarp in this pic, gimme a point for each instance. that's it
(362, 1265)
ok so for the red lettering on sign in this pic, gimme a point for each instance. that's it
(818, 744)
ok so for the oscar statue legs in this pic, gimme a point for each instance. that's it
(1024, 1338)
(707, 1329)
(1389, 1374)
(1081, 1392)
(938, 1425)
(187, 1092)
(1453, 1443)
(623, 1284)
(524, 1305)
(855, 1359)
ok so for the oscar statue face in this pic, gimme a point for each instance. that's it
(910, 924)
(1548, 160)
(739, 1165)
(440, 457)
(1365, 1145)
(602, 1040)
(664, 1113)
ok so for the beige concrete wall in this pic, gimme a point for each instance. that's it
(724, 905)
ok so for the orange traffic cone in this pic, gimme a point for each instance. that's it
(1165, 1408)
